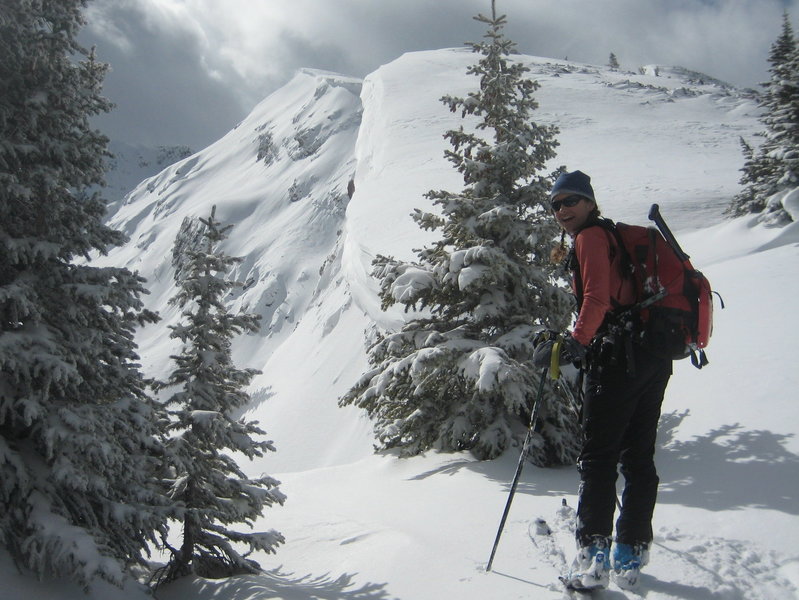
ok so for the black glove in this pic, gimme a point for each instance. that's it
(542, 355)
(571, 350)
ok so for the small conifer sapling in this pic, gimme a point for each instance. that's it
(209, 490)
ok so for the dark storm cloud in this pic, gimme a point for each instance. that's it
(163, 89)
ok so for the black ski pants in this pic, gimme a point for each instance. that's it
(620, 419)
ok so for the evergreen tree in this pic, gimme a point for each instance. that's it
(773, 169)
(77, 436)
(613, 62)
(460, 377)
(209, 489)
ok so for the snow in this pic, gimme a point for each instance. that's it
(791, 203)
(409, 282)
(366, 526)
(130, 164)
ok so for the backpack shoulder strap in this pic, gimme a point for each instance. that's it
(571, 260)
(626, 264)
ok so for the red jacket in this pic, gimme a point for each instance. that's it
(604, 288)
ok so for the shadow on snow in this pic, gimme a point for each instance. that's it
(275, 584)
(727, 468)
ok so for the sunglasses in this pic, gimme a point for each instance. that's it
(568, 202)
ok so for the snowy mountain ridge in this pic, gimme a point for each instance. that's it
(321, 177)
(132, 163)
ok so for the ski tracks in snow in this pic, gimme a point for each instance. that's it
(693, 567)
(682, 566)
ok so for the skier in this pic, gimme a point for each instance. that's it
(622, 401)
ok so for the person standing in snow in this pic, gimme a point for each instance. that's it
(621, 406)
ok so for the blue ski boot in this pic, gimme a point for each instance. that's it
(627, 560)
(591, 567)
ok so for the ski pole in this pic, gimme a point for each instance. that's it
(654, 215)
(519, 467)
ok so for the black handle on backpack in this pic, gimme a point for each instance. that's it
(654, 215)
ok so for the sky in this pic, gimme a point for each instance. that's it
(187, 71)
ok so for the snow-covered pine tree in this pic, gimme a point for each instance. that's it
(613, 62)
(77, 430)
(209, 489)
(459, 378)
(771, 172)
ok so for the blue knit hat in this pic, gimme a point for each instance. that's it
(575, 182)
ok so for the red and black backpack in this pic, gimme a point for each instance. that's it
(673, 312)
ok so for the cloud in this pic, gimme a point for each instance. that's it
(727, 39)
(164, 79)
(185, 71)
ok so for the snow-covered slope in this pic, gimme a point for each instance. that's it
(281, 176)
(131, 163)
(374, 527)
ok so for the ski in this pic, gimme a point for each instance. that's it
(572, 591)
(551, 539)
